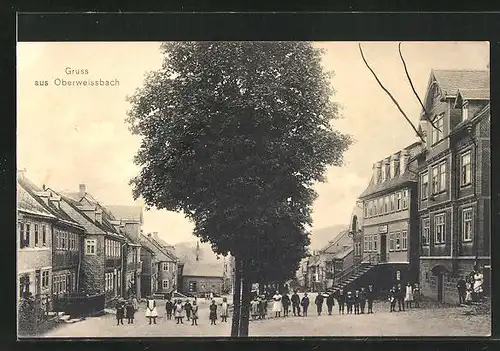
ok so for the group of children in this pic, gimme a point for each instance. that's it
(181, 309)
(409, 296)
(126, 309)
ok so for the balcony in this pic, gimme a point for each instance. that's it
(64, 258)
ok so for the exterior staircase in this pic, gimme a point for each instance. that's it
(354, 272)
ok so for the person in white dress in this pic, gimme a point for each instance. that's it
(151, 312)
(478, 284)
(277, 304)
(409, 295)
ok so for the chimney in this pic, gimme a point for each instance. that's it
(82, 190)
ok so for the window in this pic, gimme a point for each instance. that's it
(404, 240)
(192, 287)
(405, 199)
(437, 133)
(424, 186)
(370, 243)
(391, 242)
(374, 208)
(22, 236)
(439, 227)
(467, 224)
(63, 244)
(434, 180)
(386, 204)
(90, 246)
(442, 176)
(44, 235)
(36, 234)
(398, 200)
(392, 202)
(27, 235)
(380, 205)
(425, 232)
(165, 284)
(366, 209)
(365, 246)
(465, 112)
(398, 241)
(45, 279)
(465, 169)
(118, 279)
(165, 266)
(375, 243)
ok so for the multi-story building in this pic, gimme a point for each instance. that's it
(149, 276)
(102, 259)
(66, 240)
(454, 173)
(165, 264)
(34, 249)
(129, 220)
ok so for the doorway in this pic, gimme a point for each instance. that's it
(383, 248)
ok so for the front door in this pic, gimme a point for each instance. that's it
(383, 248)
(440, 282)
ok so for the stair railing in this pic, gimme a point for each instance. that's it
(339, 277)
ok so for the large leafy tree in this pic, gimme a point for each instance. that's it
(234, 134)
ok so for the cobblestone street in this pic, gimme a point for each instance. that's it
(431, 320)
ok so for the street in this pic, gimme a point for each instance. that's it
(430, 320)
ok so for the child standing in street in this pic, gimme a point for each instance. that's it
(151, 312)
(349, 300)
(130, 311)
(370, 296)
(179, 312)
(188, 308)
(339, 295)
(409, 295)
(224, 310)
(305, 304)
(194, 313)
(169, 306)
(213, 313)
(357, 301)
(416, 296)
(392, 299)
(120, 312)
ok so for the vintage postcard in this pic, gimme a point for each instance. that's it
(233, 189)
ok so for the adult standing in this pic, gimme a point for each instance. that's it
(339, 295)
(356, 301)
(295, 303)
(400, 295)
(194, 313)
(319, 303)
(478, 284)
(151, 312)
(277, 304)
(213, 313)
(254, 308)
(188, 307)
(349, 300)
(416, 295)
(370, 296)
(409, 295)
(362, 300)
(461, 288)
(305, 304)
(286, 304)
(393, 298)
(330, 302)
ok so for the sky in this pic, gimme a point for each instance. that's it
(67, 136)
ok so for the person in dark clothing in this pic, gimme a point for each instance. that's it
(339, 295)
(213, 313)
(392, 298)
(461, 287)
(349, 300)
(295, 304)
(169, 306)
(356, 301)
(319, 303)
(400, 294)
(285, 301)
(305, 304)
(362, 300)
(370, 296)
(130, 312)
(262, 307)
(188, 307)
(120, 312)
(330, 302)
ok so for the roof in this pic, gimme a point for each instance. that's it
(27, 203)
(151, 244)
(485, 111)
(130, 213)
(403, 178)
(32, 189)
(450, 81)
(343, 254)
(195, 268)
(335, 240)
(474, 94)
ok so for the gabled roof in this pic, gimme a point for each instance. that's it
(335, 240)
(200, 268)
(341, 255)
(33, 190)
(474, 94)
(450, 81)
(162, 254)
(28, 203)
(126, 213)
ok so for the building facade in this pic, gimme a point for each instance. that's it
(454, 187)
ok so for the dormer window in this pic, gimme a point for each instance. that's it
(465, 111)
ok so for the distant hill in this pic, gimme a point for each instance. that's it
(321, 237)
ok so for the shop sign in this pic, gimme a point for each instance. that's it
(383, 229)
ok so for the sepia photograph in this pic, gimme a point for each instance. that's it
(253, 189)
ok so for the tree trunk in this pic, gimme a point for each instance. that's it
(235, 327)
(245, 300)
